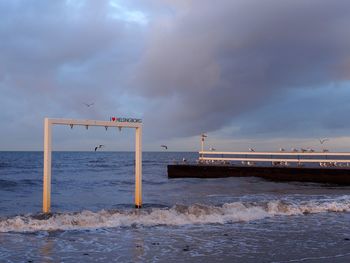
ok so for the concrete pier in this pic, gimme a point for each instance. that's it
(340, 176)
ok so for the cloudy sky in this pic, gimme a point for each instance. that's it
(249, 73)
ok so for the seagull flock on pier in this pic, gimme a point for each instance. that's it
(302, 150)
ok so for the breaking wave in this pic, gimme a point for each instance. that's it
(174, 216)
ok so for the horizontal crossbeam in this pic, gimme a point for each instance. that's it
(94, 123)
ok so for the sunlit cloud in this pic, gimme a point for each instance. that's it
(118, 11)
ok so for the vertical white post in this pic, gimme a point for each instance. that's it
(47, 167)
(138, 167)
(202, 145)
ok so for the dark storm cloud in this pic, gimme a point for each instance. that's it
(207, 62)
(301, 113)
(186, 66)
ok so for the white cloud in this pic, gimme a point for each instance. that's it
(118, 11)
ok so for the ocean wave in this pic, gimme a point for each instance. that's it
(101, 165)
(30, 182)
(174, 216)
(7, 184)
(4, 165)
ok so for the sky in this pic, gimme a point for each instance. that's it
(249, 73)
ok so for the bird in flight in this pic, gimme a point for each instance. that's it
(164, 146)
(88, 104)
(98, 147)
(322, 140)
(251, 150)
(212, 149)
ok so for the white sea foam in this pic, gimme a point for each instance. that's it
(176, 215)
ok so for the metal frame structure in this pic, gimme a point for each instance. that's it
(48, 122)
(297, 157)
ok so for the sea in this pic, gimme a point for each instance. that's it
(93, 218)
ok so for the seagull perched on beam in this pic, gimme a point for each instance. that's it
(164, 146)
(98, 147)
(88, 104)
(251, 150)
(212, 149)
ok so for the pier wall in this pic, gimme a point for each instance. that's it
(338, 176)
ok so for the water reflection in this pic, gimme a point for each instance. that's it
(138, 246)
(46, 250)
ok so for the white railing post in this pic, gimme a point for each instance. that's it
(47, 167)
(138, 167)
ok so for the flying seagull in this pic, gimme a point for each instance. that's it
(322, 140)
(251, 150)
(98, 147)
(212, 149)
(164, 146)
(88, 104)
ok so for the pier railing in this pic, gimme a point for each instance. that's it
(324, 159)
